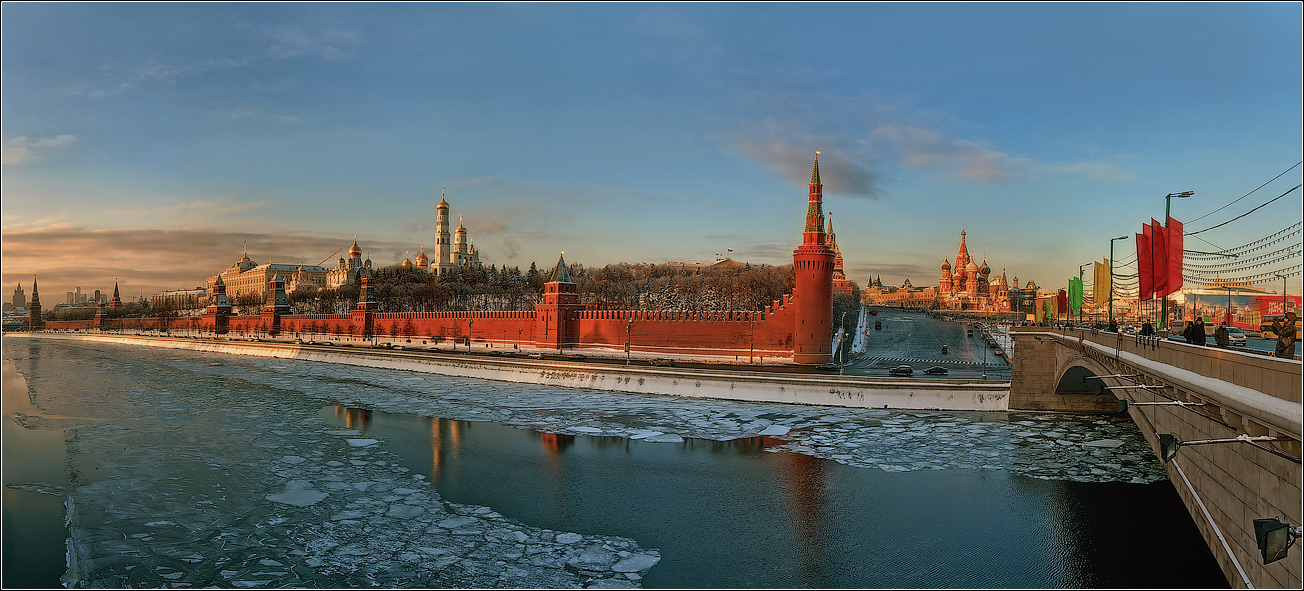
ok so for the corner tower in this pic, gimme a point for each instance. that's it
(813, 264)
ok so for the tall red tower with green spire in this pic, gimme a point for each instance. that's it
(813, 262)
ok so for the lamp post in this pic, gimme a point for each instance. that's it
(1229, 304)
(1111, 277)
(1168, 206)
(842, 328)
(1081, 296)
(1283, 292)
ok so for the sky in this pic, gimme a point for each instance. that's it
(152, 143)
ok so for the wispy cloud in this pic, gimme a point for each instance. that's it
(330, 44)
(275, 44)
(21, 150)
(918, 147)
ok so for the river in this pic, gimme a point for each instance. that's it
(177, 468)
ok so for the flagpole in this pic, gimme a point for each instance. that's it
(1168, 206)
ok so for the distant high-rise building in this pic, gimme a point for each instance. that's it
(20, 298)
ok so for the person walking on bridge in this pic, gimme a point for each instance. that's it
(1285, 336)
(1221, 337)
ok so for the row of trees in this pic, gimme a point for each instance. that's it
(620, 286)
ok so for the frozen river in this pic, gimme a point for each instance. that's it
(179, 469)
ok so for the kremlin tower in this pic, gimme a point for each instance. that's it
(813, 265)
(35, 322)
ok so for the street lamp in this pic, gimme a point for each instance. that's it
(1168, 205)
(1283, 292)
(1081, 296)
(1111, 277)
(842, 328)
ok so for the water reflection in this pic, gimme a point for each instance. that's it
(728, 514)
(33, 533)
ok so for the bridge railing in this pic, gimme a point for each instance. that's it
(1266, 388)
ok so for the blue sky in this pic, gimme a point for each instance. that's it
(148, 142)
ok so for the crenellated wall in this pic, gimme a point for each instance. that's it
(766, 333)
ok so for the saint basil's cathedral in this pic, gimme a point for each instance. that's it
(971, 287)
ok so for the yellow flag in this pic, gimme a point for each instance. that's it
(1104, 282)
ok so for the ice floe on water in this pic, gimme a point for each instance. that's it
(232, 480)
(224, 483)
(1062, 446)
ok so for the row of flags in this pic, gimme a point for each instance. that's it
(1071, 301)
(1159, 258)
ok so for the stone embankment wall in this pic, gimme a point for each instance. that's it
(848, 391)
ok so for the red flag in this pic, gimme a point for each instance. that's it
(1175, 244)
(1143, 267)
(1062, 303)
(1159, 258)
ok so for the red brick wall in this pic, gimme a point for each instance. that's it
(766, 333)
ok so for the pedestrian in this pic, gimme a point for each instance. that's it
(1198, 332)
(1113, 325)
(1285, 336)
(1147, 329)
(1221, 337)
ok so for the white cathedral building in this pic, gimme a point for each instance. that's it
(449, 254)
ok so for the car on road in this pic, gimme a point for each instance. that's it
(662, 362)
(536, 355)
(901, 370)
(936, 370)
(830, 365)
(1235, 337)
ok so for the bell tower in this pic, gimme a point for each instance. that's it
(813, 263)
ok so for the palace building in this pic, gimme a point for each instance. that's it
(246, 277)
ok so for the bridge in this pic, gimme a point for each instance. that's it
(1227, 421)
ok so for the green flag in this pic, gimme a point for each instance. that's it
(1075, 296)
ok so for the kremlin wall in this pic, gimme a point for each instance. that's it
(798, 326)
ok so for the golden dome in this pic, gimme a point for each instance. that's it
(421, 257)
(354, 250)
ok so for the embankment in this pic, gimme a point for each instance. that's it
(757, 386)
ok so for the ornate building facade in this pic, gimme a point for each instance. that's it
(246, 277)
(971, 286)
(347, 271)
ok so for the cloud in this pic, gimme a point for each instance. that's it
(64, 256)
(20, 149)
(841, 171)
(918, 147)
(330, 44)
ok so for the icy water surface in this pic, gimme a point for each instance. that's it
(199, 469)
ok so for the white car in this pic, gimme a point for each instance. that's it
(1235, 337)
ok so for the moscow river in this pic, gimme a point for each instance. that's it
(129, 467)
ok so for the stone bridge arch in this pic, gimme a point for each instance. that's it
(1049, 376)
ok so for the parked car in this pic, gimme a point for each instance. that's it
(936, 370)
(829, 365)
(1235, 337)
(902, 370)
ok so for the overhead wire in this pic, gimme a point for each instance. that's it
(1248, 194)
